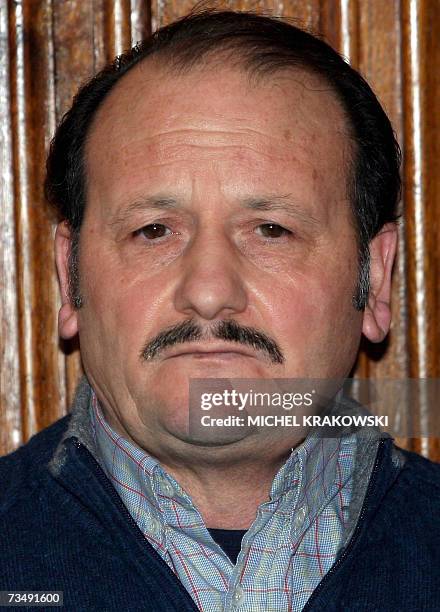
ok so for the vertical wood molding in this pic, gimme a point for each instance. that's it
(31, 123)
(421, 90)
(117, 17)
(140, 20)
(10, 388)
(349, 36)
(19, 136)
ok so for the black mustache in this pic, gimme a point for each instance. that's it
(189, 331)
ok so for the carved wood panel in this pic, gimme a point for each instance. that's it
(48, 47)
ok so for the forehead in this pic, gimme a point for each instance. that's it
(289, 126)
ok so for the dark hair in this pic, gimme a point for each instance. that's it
(262, 45)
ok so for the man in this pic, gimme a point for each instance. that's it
(227, 197)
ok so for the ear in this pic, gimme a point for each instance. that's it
(377, 314)
(67, 317)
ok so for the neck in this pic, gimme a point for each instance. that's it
(227, 497)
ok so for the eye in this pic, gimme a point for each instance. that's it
(154, 231)
(272, 230)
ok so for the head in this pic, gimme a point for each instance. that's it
(228, 185)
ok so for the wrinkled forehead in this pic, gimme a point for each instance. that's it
(154, 113)
(151, 80)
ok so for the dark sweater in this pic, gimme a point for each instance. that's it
(71, 532)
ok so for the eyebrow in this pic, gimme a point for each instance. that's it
(148, 203)
(283, 203)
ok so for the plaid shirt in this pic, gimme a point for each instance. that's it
(285, 553)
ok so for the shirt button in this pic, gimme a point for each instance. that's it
(238, 595)
(299, 518)
(169, 490)
(154, 527)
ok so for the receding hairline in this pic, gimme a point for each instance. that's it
(175, 63)
(158, 67)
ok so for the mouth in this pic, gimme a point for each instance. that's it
(202, 354)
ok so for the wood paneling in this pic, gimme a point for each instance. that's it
(10, 391)
(49, 47)
(421, 90)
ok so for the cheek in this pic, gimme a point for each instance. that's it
(112, 292)
(313, 317)
(112, 319)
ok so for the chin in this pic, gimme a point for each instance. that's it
(210, 437)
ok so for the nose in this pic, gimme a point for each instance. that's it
(211, 285)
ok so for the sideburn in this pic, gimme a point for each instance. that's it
(75, 296)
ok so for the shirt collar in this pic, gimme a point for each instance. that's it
(303, 485)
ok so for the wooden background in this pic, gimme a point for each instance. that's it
(48, 47)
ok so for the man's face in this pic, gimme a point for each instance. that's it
(212, 199)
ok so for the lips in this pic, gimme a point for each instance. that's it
(209, 352)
